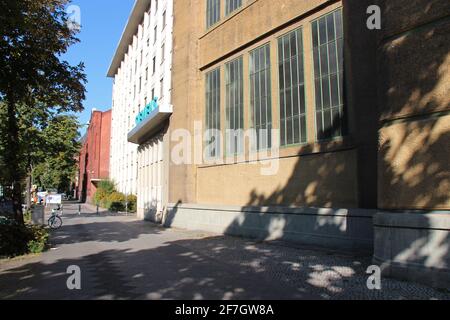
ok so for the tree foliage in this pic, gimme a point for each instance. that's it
(59, 147)
(36, 84)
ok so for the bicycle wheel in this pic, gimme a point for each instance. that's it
(55, 222)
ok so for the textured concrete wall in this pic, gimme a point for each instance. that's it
(414, 164)
(414, 246)
(414, 86)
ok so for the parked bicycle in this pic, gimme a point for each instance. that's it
(55, 222)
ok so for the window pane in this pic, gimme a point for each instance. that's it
(260, 88)
(292, 97)
(315, 34)
(234, 106)
(232, 5)
(334, 91)
(328, 72)
(212, 12)
(212, 111)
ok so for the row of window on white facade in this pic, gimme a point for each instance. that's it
(330, 120)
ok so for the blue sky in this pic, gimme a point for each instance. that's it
(102, 24)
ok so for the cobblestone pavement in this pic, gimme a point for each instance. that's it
(122, 258)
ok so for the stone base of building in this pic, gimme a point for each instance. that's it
(349, 230)
(151, 215)
(414, 246)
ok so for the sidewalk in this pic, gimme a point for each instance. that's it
(92, 208)
(122, 257)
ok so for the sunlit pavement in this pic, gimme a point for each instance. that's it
(123, 258)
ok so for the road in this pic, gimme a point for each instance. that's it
(122, 258)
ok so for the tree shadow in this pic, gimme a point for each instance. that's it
(413, 59)
(100, 231)
(219, 268)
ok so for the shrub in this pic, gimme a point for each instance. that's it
(132, 203)
(13, 239)
(40, 237)
(107, 186)
(116, 201)
(27, 216)
(104, 190)
(18, 239)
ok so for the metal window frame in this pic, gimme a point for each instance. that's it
(236, 88)
(318, 75)
(258, 72)
(212, 12)
(299, 57)
(232, 5)
(212, 103)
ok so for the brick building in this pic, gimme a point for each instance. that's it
(93, 161)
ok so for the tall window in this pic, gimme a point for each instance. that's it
(155, 34)
(329, 75)
(154, 65)
(212, 12)
(163, 52)
(292, 89)
(232, 5)
(161, 87)
(260, 96)
(213, 112)
(234, 107)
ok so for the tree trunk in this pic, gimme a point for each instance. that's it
(29, 190)
(13, 165)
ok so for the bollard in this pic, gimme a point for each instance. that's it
(97, 210)
(79, 209)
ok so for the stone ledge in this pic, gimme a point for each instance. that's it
(439, 220)
(363, 213)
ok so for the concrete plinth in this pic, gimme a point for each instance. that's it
(414, 246)
(342, 229)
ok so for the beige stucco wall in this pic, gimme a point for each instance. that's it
(319, 180)
(314, 174)
(256, 19)
(185, 82)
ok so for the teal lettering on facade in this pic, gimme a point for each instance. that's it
(149, 108)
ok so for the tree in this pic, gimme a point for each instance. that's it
(59, 147)
(34, 36)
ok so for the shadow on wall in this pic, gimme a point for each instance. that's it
(414, 82)
(414, 166)
(414, 153)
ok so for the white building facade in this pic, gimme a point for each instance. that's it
(141, 69)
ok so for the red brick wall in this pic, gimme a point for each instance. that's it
(94, 154)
